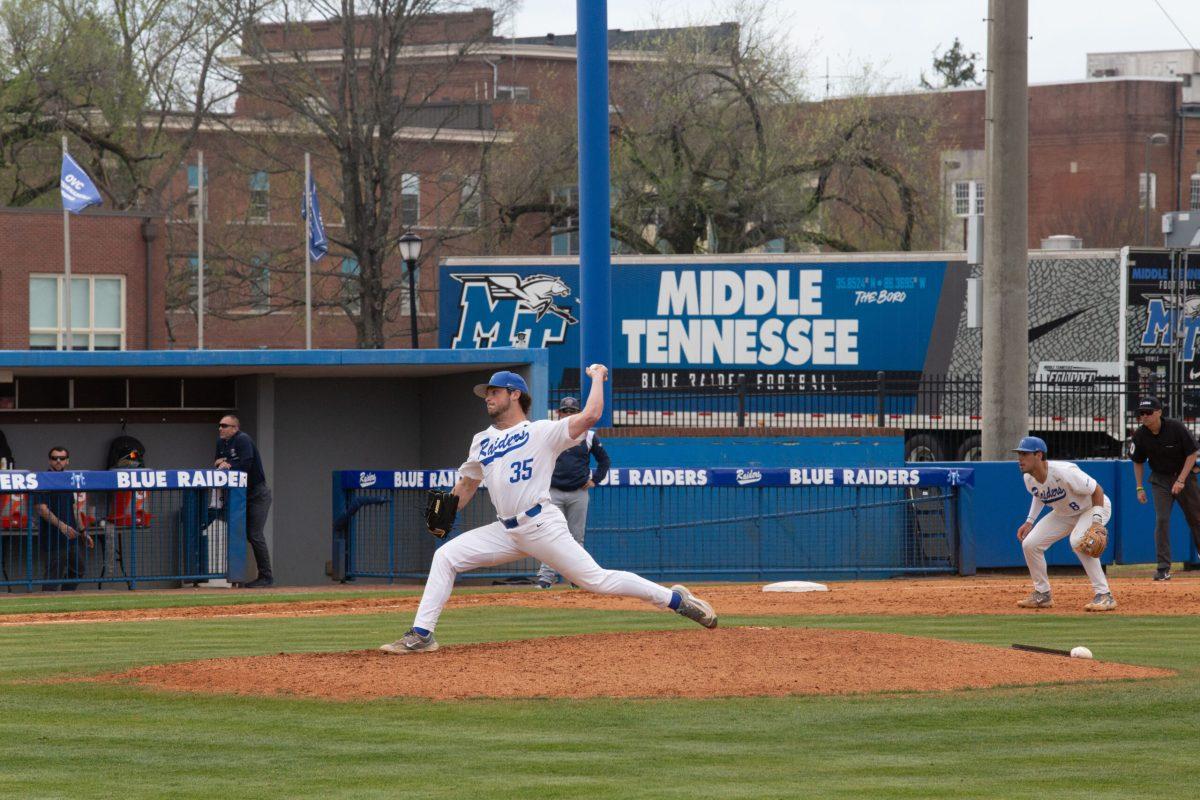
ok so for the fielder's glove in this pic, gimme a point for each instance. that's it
(1094, 540)
(440, 510)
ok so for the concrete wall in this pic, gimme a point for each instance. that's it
(173, 445)
(314, 435)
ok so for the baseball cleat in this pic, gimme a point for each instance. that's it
(543, 584)
(1037, 600)
(1162, 575)
(1101, 602)
(694, 608)
(411, 642)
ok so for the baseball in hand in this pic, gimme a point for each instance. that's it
(597, 372)
(1080, 652)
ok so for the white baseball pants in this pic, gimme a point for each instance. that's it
(544, 537)
(1049, 530)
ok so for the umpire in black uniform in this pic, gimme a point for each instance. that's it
(569, 485)
(236, 451)
(1172, 452)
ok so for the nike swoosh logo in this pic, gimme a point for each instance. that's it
(1193, 374)
(1039, 331)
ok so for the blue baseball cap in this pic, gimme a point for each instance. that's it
(1030, 444)
(503, 380)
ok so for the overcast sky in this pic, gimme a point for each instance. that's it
(897, 37)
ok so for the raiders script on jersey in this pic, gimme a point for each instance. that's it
(1067, 490)
(516, 464)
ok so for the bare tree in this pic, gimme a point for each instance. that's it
(351, 81)
(715, 148)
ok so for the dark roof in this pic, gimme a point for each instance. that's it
(713, 37)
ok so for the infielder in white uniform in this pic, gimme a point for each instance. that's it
(1075, 501)
(515, 459)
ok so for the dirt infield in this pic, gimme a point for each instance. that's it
(922, 597)
(732, 662)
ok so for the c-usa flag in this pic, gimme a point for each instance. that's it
(318, 244)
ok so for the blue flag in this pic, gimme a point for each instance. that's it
(78, 191)
(318, 245)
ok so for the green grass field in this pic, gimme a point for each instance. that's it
(74, 740)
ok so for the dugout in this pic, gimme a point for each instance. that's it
(310, 412)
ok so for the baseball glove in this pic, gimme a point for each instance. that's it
(440, 510)
(1094, 540)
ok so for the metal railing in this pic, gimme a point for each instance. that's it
(70, 529)
(747, 524)
(1085, 417)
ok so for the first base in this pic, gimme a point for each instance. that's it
(795, 586)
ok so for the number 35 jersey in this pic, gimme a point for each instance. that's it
(1067, 490)
(516, 464)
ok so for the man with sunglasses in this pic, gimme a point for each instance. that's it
(237, 451)
(1172, 452)
(59, 529)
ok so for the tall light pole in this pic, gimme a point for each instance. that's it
(410, 251)
(1147, 197)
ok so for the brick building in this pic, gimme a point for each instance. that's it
(117, 264)
(1092, 144)
(1099, 170)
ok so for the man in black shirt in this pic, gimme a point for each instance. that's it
(236, 451)
(569, 485)
(1171, 451)
(59, 529)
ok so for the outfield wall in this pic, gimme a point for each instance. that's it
(991, 511)
(713, 449)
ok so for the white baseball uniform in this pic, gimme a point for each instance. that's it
(1067, 491)
(516, 464)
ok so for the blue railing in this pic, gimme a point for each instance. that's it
(137, 527)
(685, 524)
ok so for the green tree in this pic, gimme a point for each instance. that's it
(131, 82)
(955, 67)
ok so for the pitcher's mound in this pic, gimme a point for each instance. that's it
(727, 662)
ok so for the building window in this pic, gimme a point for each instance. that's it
(351, 290)
(260, 196)
(564, 236)
(97, 312)
(1153, 189)
(968, 195)
(193, 196)
(512, 92)
(260, 284)
(410, 199)
(1194, 202)
(471, 203)
(193, 278)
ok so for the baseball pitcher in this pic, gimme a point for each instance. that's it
(1078, 508)
(515, 459)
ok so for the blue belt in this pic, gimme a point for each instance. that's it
(512, 522)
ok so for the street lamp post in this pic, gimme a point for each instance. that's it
(410, 251)
(1147, 199)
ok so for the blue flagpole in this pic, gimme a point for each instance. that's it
(595, 235)
(65, 308)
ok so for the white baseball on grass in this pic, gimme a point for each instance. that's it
(1080, 652)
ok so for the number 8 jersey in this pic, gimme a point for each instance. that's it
(516, 464)
(1067, 490)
